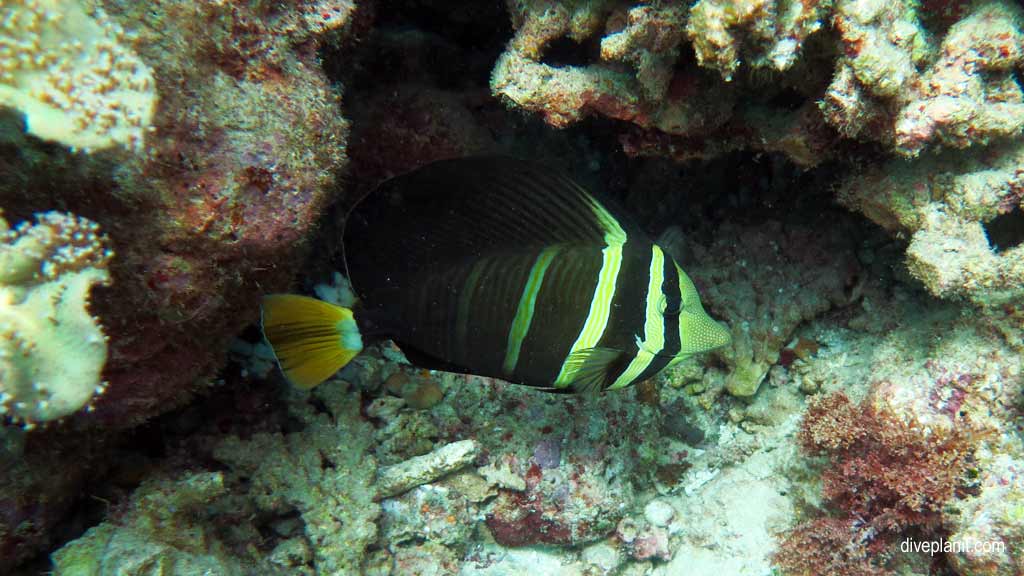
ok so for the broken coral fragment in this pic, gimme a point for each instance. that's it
(72, 75)
(52, 350)
(406, 475)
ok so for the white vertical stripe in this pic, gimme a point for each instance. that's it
(604, 292)
(654, 324)
(524, 312)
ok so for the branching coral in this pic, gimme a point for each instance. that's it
(73, 75)
(51, 349)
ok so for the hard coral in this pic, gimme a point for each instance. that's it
(892, 83)
(241, 160)
(674, 108)
(943, 203)
(771, 292)
(51, 348)
(776, 30)
(966, 94)
(73, 75)
(327, 482)
(164, 528)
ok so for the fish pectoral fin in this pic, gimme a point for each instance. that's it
(311, 339)
(592, 368)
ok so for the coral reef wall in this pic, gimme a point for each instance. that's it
(842, 179)
(237, 160)
(204, 140)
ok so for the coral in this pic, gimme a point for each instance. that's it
(943, 203)
(677, 111)
(892, 83)
(241, 158)
(295, 502)
(987, 530)
(772, 290)
(404, 476)
(323, 472)
(161, 530)
(52, 350)
(73, 75)
(437, 513)
(968, 94)
(558, 507)
(777, 30)
(643, 542)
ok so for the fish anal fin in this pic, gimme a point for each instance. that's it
(592, 369)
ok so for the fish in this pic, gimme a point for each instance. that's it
(502, 268)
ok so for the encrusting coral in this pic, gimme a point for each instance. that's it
(965, 95)
(73, 75)
(645, 78)
(943, 203)
(52, 350)
(758, 33)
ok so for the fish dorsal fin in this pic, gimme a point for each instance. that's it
(476, 206)
(593, 369)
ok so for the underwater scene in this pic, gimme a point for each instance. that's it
(512, 287)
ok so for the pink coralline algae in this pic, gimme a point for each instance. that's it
(566, 506)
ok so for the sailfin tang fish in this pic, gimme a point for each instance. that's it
(503, 268)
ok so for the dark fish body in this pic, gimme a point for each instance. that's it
(504, 268)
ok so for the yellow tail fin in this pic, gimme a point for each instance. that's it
(312, 339)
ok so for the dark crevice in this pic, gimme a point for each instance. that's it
(568, 52)
(1006, 231)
